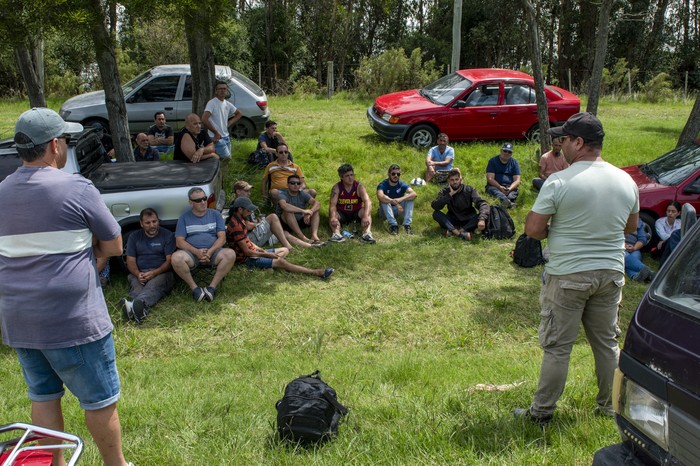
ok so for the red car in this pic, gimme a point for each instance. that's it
(469, 104)
(674, 176)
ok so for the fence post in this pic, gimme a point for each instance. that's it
(330, 79)
(629, 83)
(260, 74)
(568, 72)
(685, 88)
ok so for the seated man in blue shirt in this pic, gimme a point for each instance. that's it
(503, 177)
(440, 159)
(148, 253)
(396, 198)
(200, 236)
(143, 152)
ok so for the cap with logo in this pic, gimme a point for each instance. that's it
(584, 125)
(507, 147)
(242, 184)
(41, 125)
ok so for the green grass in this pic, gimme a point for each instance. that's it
(404, 330)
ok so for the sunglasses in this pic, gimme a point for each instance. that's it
(295, 183)
(395, 174)
(196, 201)
(67, 137)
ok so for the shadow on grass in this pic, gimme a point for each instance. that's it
(660, 130)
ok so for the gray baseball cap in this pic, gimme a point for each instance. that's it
(41, 125)
(245, 203)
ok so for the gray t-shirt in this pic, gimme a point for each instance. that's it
(150, 253)
(50, 294)
(301, 200)
(200, 232)
(590, 203)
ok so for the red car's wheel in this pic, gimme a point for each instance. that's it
(422, 136)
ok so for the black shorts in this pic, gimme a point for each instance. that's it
(349, 217)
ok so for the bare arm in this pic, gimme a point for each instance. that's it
(537, 225)
(516, 182)
(219, 243)
(109, 248)
(131, 266)
(632, 222)
(234, 118)
(333, 203)
(366, 201)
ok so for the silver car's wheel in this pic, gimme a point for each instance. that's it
(422, 136)
(242, 129)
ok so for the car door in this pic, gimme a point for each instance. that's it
(476, 115)
(519, 110)
(689, 191)
(158, 94)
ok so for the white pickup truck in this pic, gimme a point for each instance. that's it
(129, 187)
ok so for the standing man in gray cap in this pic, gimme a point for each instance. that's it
(503, 176)
(583, 212)
(52, 308)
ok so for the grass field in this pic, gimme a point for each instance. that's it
(405, 330)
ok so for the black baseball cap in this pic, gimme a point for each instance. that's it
(584, 125)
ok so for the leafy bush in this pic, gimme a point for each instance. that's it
(306, 85)
(393, 71)
(657, 89)
(63, 85)
(615, 81)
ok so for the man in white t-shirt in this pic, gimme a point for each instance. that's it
(583, 212)
(218, 116)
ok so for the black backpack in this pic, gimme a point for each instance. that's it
(500, 225)
(309, 411)
(260, 157)
(528, 251)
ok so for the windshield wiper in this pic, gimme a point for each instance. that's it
(426, 95)
(648, 171)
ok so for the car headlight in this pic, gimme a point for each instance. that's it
(391, 119)
(646, 412)
(64, 113)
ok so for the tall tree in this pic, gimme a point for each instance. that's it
(692, 126)
(536, 55)
(456, 35)
(599, 61)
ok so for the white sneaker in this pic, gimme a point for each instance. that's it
(337, 238)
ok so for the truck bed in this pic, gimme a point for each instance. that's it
(137, 176)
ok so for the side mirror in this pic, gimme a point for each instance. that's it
(693, 188)
(459, 104)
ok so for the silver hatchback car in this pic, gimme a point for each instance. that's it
(168, 88)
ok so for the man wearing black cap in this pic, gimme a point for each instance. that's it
(255, 256)
(52, 308)
(503, 176)
(583, 212)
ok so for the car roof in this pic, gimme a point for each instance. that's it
(220, 70)
(478, 74)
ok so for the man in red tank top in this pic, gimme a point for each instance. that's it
(350, 202)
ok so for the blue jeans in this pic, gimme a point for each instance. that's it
(89, 371)
(222, 147)
(390, 212)
(633, 263)
(495, 192)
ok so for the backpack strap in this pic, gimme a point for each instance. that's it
(341, 409)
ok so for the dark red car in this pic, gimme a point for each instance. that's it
(469, 104)
(674, 176)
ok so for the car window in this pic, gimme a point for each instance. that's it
(136, 82)
(161, 89)
(483, 96)
(519, 94)
(247, 83)
(680, 285)
(446, 89)
(671, 169)
(187, 92)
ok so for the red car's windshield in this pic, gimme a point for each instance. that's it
(446, 89)
(674, 167)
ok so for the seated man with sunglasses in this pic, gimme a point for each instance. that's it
(298, 211)
(396, 198)
(200, 236)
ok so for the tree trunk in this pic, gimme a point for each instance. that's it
(114, 96)
(692, 126)
(650, 57)
(601, 48)
(201, 53)
(456, 34)
(542, 109)
(30, 61)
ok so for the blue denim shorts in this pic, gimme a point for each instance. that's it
(223, 147)
(260, 262)
(89, 371)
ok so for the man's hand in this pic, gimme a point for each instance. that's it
(203, 256)
(481, 226)
(365, 221)
(399, 208)
(216, 137)
(146, 276)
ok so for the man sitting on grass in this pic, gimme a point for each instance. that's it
(255, 256)
(148, 254)
(396, 198)
(200, 236)
(350, 203)
(462, 202)
(298, 210)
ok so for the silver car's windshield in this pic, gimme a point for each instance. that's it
(680, 285)
(446, 89)
(250, 85)
(136, 82)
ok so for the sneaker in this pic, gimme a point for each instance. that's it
(408, 229)
(318, 244)
(521, 413)
(507, 203)
(448, 233)
(198, 294)
(326, 273)
(367, 238)
(127, 308)
(394, 229)
(607, 411)
(140, 310)
(209, 293)
(337, 238)
(465, 235)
